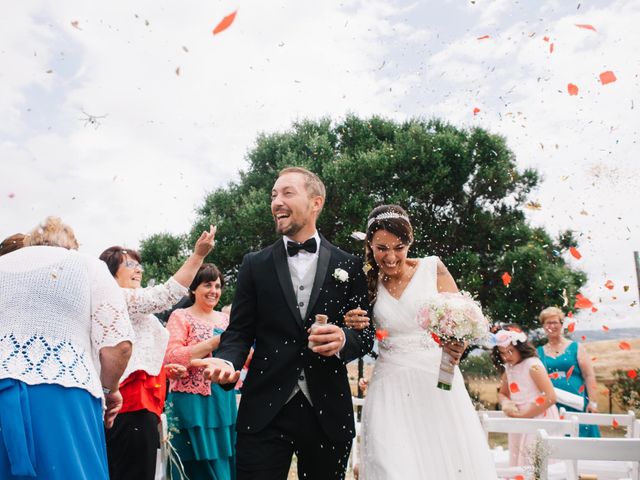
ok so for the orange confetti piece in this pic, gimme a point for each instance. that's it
(506, 279)
(582, 301)
(381, 334)
(545, 38)
(573, 250)
(571, 327)
(609, 284)
(573, 90)
(561, 417)
(225, 23)
(583, 338)
(554, 376)
(518, 477)
(624, 345)
(514, 388)
(615, 423)
(605, 391)
(570, 314)
(605, 328)
(540, 400)
(594, 309)
(632, 374)
(484, 37)
(607, 77)
(581, 389)
(586, 26)
(476, 111)
(551, 47)
(570, 371)
(436, 338)
(593, 359)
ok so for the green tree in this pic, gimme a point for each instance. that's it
(461, 188)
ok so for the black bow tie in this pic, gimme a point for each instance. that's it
(294, 247)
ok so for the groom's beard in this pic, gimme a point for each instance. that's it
(289, 230)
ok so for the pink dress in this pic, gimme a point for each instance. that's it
(525, 396)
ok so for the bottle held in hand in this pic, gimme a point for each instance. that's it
(321, 320)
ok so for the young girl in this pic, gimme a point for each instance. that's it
(526, 390)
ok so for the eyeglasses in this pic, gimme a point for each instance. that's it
(134, 265)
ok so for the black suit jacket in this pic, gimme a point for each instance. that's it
(265, 309)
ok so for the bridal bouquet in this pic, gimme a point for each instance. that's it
(453, 316)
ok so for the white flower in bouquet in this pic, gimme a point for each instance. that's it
(453, 316)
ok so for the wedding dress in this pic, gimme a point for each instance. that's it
(412, 430)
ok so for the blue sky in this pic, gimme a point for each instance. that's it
(165, 140)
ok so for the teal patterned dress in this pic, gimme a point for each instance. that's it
(574, 384)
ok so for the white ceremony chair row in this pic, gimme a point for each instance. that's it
(594, 449)
(623, 420)
(353, 456)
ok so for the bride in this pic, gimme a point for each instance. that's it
(411, 429)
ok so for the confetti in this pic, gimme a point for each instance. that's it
(514, 388)
(593, 359)
(545, 38)
(436, 338)
(625, 288)
(533, 205)
(605, 328)
(381, 334)
(225, 23)
(624, 345)
(75, 24)
(609, 284)
(615, 423)
(476, 111)
(551, 47)
(11, 195)
(178, 71)
(582, 301)
(540, 400)
(570, 314)
(581, 389)
(594, 309)
(484, 37)
(583, 338)
(506, 279)
(518, 477)
(572, 89)
(585, 26)
(570, 372)
(632, 374)
(607, 77)
(575, 253)
(571, 327)
(554, 376)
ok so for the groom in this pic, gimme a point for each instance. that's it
(294, 399)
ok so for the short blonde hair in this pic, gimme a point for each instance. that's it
(312, 182)
(551, 312)
(54, 233)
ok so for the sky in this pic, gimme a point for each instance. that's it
(120, 118)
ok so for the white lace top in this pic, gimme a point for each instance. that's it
(151, 337)
(58, 308)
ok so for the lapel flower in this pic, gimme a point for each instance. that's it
(340, 275)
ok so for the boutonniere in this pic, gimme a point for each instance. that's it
(340, 275)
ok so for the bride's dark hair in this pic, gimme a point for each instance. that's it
(393, 219)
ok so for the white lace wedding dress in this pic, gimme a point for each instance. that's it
(412, 430)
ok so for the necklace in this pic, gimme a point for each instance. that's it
(556, 349)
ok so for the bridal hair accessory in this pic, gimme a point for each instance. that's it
(504, 338)
(387, 216)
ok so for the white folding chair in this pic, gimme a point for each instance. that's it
(623, 420)
(525, 426)
(491, 413)
(353, 456)
(598, 449)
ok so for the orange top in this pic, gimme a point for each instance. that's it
(141, 391)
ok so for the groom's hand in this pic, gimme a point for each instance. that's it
(330, 338)
(217, 370)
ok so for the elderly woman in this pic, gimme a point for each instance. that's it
(568, 366)
(65, 339)
(202, 415)
(133, 441)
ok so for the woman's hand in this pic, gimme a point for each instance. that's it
(175, 371)
(113, 404)
(356, 319)
(455, 349)
(206, 242)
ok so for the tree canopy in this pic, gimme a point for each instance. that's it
(462, 189)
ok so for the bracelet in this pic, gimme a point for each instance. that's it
(106, 390)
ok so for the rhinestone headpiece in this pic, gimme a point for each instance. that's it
(386, 216)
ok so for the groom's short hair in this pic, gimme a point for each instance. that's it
(312, 182)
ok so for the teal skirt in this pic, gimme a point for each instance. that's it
(202, 430)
